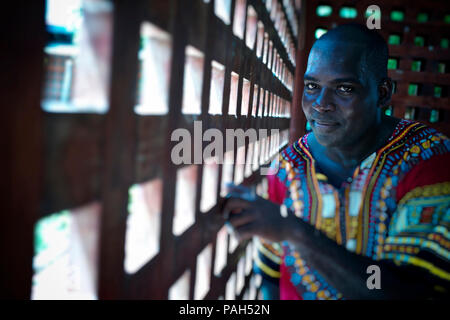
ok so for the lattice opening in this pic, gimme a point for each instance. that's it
(442, 67)
(320, 32)
(392, 63)
(65, 263)
(143, 224)
(240, 165)
(185, 193)
(348, 13)
(154, 71)
(422, 17)
(420, 41)
(217, 82)
(193, 80)
(239, 18)
(414, 89)
(394, 39)
(77, 56)
(269, 55)
(252, 21)
(260, 39)
(265, 47)
(221, 251)
(255, 100)
(397, 15)
(245, 97)
(232, 109)
(180, 289)
(418, 65)
(240, 275)
(202, 275)
(249, 158)
(230, 289)
(210, 181)
(222, 9)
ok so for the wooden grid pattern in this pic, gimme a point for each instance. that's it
(95, 158)
(190, 23)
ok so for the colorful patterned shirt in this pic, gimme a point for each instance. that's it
(396, 207)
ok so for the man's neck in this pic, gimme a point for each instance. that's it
(352, 154)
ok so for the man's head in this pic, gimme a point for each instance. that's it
(346, 83)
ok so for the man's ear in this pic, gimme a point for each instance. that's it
(385, 92)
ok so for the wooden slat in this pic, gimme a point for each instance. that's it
(159, 280)
(89, 157)
(420, 77)
(269, 27)
(421, 101)
(305, 41)
(120, 135)
(73, 160)
(21, 141)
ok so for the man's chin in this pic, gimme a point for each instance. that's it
(328, 140)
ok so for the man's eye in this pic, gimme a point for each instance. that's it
(311, 86)
(345, 89)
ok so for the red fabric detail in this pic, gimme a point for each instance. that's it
(428, 172)
(287, 289)
(277, 193)
(427, 215)
(277, 190)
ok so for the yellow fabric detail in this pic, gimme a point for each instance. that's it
(269, 254)
(267, 270)
(430, 267)
(427, 191)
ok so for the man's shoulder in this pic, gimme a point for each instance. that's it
(296, 153)
(422, 157)
(422, 139)
(290, 160)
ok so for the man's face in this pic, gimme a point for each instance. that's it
(339, 100)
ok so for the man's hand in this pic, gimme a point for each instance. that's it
(255, 218)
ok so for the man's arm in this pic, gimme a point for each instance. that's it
(342, 269)
(270, 290)
(347, 271)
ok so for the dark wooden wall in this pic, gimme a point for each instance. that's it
(21, 141)
(77, 160)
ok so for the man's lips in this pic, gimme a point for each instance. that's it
(325, 125)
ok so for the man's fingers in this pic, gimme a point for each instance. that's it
(234, 205)
(242, 218)
(245, 231)
(237, 203)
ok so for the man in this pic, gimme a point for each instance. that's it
(361, 189)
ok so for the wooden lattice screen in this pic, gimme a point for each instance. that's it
(234, 62)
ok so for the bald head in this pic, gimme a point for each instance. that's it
(346, 85)
(367, 44)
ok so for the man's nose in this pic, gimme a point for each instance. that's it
(324, 102)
